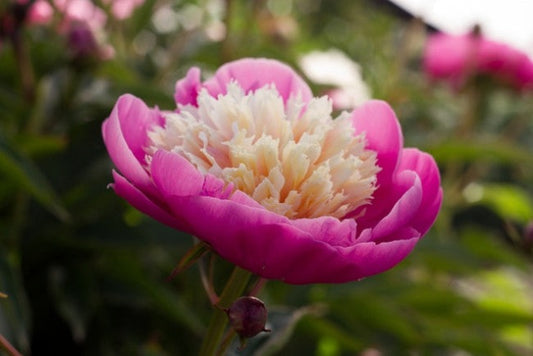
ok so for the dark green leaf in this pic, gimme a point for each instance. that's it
(26, 175)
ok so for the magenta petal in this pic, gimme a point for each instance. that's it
(244, 199)
(216, 187)
(321, 263)
(254, 73)
(187, 89)
(274, 247)
(383, 135)
(136, 120)
(140, 201)
(127, 110)
(174, 175)
(233, 230)
(370, 258)
(404, 210)
(329, 230)
(426, 168)
(317, 263)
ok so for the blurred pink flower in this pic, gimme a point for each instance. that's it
(253, 165)
(84, 11)
(122, 9)
(41, 12)
(81, 22)
(83, 25)
(456, 58)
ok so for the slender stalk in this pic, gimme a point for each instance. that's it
(219, 320)
(5, 345)
(257, 287)
(207, 282)
(25, 66)
(473, 111)
(226, 342)
(226, 52)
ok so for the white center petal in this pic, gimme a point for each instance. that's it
(301, 165)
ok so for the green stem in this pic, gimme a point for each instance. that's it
(233, 289)
(227, 50)
(25, 66)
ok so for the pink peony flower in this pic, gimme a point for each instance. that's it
(253, 165)
(457, 58)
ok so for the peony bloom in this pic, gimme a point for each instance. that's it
(253, 165)
(457, 58)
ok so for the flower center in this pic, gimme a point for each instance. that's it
(301, 165)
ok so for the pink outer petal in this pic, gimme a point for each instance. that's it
(383, 135)
(254, 73)
(296, 251)
(140, 201)
(425, 167)
(272, 247)
(175, 176)
(329, 230)
(187, 89)
(413, 199)
(404, 209)
(251, 74)
(125, 147)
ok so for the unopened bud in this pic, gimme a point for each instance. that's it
(247, 316)
(81, 40)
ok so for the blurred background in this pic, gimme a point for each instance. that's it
(83, 273)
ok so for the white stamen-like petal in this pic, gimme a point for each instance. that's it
(292, 158)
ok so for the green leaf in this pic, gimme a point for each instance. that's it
(131, 281)
(26, 175)
(510, 201)
(491, 149)
(193, 255)
(41, 145)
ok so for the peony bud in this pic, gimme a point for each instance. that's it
(81, 39)
(247, 316)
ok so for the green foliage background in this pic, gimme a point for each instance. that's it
(86, 274)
